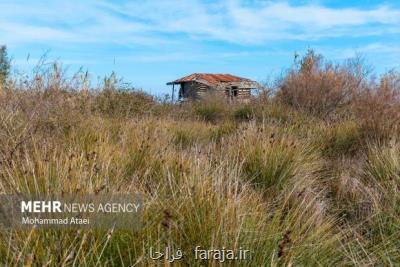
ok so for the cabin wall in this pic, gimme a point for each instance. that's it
(196, 90)
(243, 93)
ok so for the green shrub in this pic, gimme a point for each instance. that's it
(113, 102)
(243, 113)
(222, 130)
(383, 164)
(209, 112)
(342, 139)
(272, 163)
(184, 138)
(4, 66)
(382, 172)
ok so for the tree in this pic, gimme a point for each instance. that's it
(4, 65)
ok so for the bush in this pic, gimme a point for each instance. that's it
(272, 162)
(319, 87)
(208, 111)
(341, 139)
(4, 66)
(378, 108)
(113, 102)
(243, 113)
(269, 168)
(222, 130)
(383, 165)
(382, 172)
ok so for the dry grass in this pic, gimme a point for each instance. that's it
(273, 176)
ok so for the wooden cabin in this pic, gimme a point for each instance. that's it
(198, 85)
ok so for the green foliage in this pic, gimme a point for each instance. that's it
(4, 65)
(384, 164)
(243, 113)
(122, 102)
(382, 174)
(221, 131)
(272, 162)
(209, 111)
(269, 168)
(342, 139)
(183, 138)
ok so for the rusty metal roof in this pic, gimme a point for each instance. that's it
(212, 79)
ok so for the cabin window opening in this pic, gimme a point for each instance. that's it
(234, 91)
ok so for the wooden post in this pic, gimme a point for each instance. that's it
(173, 92)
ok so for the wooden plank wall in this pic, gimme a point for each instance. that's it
(195, 90)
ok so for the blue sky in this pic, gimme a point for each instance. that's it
(152, 42)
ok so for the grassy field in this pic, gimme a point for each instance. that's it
(306, 176)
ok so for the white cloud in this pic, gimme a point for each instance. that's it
(160, 22)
